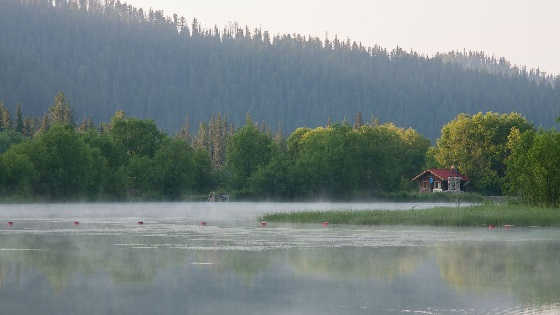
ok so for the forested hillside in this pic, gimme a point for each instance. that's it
(111, 56)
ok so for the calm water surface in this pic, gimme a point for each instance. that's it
(108, 264)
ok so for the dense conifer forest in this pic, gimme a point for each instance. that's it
(107, 56)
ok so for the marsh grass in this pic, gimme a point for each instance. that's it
(480, 215)
(439, 197)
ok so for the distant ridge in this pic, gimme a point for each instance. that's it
(113, 56)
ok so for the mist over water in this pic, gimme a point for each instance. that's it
(108, 264)
(231, 212)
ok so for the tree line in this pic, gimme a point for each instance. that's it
(109, 55)
(132, 159)
(129, 158)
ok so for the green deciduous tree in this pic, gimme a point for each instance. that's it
(477, 146)
(341, 161)
(247, 150)
(175, 169)
(16, 173)
(533, 168)
(204, 174)
(138, 137)
(142, 177)
(111, 167)
(9, 138)
(63, 162)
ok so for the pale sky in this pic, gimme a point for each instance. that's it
(527, 32)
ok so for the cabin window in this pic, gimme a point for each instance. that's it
(454, 183)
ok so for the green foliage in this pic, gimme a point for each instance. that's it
(169, 174)
(204, 175)
(9, 138)
(138, 137)
(175, 169)
(431, 160)
(483, 215)
(132, 158)
(114, 152)
(408, 196)
(142, 177)
(341, 160)
(277, 179)
(534, 166)
(248, 150)
(16, 173)
(111, 159)
(477, 146)
(62, 161)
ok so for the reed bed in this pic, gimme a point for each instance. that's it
(479, 215)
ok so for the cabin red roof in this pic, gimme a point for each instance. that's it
(442, 174)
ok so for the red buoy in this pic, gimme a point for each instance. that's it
(76, 223)
(10, 223)
(325, 224)
(491, 227)
(140, 222)
(264, 223)
(203, 223)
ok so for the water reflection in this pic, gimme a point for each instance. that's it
(171, 266)
(528, 270)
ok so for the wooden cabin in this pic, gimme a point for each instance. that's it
(441, 180)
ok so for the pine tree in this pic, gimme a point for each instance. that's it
(61, 112)
(19, 119)
(201, 139)
(86, 125)
(45, 124)
(29, 125)
(358, 122)
(220, 140)
(5, 122)
(185, 132)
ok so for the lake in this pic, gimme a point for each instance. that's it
(109, 264)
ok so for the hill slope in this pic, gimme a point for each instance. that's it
(114, 56)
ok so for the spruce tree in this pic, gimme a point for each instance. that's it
(5, 122)
(29, 125)
(185, 132)
(45, 124)
(61, 112)
(358, 122)
(19, 119)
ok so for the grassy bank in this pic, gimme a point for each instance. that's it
(405, 196)
(483, 215)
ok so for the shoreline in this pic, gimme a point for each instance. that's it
(398, 197)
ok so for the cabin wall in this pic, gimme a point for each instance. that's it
(424, 185)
